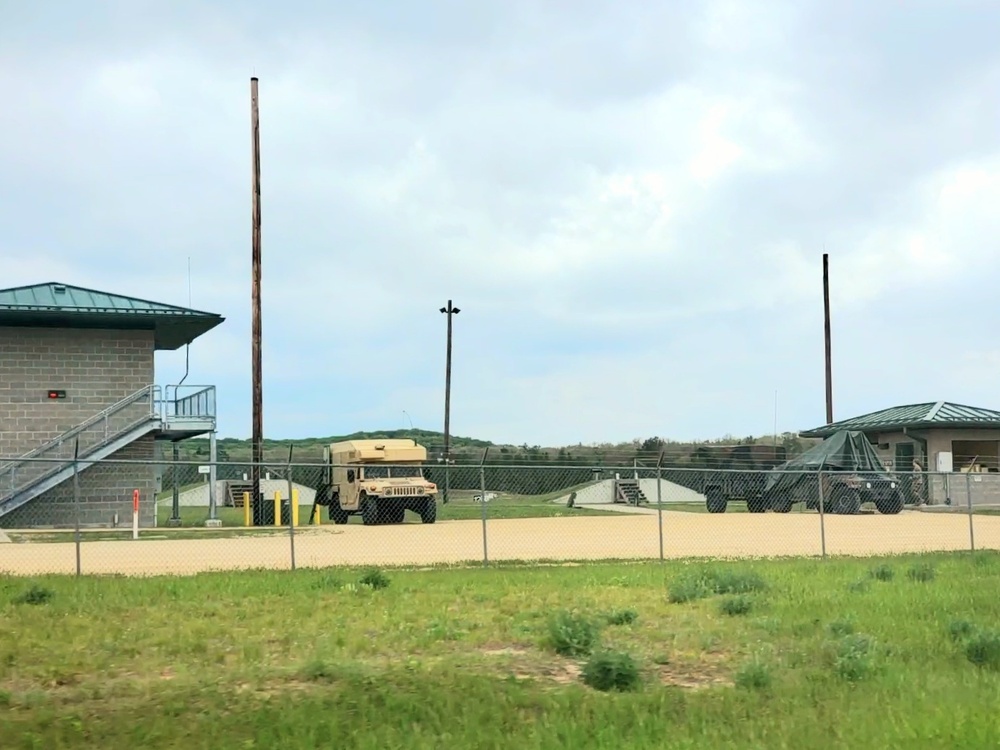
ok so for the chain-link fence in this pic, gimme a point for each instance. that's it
(162, 517)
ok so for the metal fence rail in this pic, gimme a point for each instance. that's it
(154, 517)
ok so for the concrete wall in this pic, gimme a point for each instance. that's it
(603, 492)
(197, 497)
(105, 488)
(95, 368)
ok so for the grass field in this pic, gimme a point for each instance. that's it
(843, 653)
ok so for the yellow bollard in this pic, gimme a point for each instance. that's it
(295, 506)
(277, 507)
(318, 515)
(246, 508)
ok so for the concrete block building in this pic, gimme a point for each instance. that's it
(77, 373)
(954, 447)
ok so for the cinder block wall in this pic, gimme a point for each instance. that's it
(105, 489)
(95, 368)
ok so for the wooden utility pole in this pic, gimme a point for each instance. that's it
(258, 396)
(450, 312)
(826, 336)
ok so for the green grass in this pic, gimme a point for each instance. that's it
(467, 657)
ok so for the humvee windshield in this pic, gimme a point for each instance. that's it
(393, 472)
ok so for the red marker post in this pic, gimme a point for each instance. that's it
(135, 514)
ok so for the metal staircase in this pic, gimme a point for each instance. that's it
(98, 437)
(628, 491)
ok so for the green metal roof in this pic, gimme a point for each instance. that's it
(56, 305)
(914, 416)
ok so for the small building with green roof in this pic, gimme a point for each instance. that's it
(941, 437)
(77, 375)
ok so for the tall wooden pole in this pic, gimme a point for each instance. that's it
(258, 397)
(450, 312)
(826, 336)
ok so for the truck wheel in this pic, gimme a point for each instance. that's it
(782, 505)
(890, 505)
(338, 515)
(428, 512)
(715, 501)
(845, 501)
(756, 505)
(369, 510)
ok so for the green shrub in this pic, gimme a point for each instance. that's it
(703, 583)
(922, 573)
(959, 630)
(736, 605)
(841, 627)
(622, 617)
(571, 634)
(853, 660)
(375, 579)
(754, 675)
(611, 670)
(983, 650)
(882, 573)
(35, 595)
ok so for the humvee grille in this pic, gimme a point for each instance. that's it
(403, 491)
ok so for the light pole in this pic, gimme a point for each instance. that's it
(450, 312)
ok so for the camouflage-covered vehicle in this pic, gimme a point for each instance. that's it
(852, 474)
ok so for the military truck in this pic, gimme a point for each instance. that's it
(852, 474)
(729, 473)
(378, 480)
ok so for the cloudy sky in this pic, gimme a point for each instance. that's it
(628, 201)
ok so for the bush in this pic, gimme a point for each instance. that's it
(622, 617)
(700, 584)
(853, 659)
(611, 670)
(375, 579)
(573, 635)
(922, 573)
(983, 650)
(841, 627)
(736, 605)
(882, 573)
(754, 675)
(959, 630)
(35, 595)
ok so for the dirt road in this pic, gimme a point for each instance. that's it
(630, 536)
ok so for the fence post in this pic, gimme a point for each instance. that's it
(659, 499)
(291, 511)
(76, 502)
(822, 516)
(968, 501)
(482, 503)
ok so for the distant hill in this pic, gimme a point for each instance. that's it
(468, 450)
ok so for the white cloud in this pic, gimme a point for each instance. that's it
(629, 203)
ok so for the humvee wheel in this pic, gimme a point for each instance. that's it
(337, 514)
(891, 505)
(845, 501)
(428, 512)
(369, 510)
(756, 505)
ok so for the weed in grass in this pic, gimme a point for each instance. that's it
(700, 584)
(622, 617)
(661, 660)
(853, 660)
(859, 586)
(611, 670)
(35, 595)
(571, 634)
(754, 675)
(922, 572)
(882, 573)
(983, 650)
(736, 605)
(374, 579)
(959, 630)
(841, 627)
